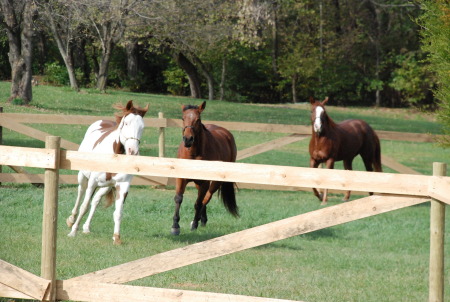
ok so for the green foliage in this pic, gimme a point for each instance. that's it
(176, 80)
(412, 79)
(18, 102)
(56, 74)
(435, 33)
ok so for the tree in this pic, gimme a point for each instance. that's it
(62, 18)
(18, 22)
(435, 33)
(105, 22)
(300, 53)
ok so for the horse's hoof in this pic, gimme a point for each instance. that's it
(71, 234)
(345, 199)
(194, 226)
(175, 231)
(70, 221)
(116, 239)
(323, 203)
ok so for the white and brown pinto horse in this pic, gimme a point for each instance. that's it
(108, 137)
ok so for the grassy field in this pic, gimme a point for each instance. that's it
(383, 258)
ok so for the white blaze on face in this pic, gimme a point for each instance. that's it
(317, 120)
(131, 132)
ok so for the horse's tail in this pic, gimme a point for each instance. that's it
(377, 155)
(228, 196)
(110, 197)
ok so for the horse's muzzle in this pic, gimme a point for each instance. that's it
(188, 141)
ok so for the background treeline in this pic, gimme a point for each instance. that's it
(358, 52)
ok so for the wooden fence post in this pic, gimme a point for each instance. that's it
(49, 220)
(162, 138)
(437, 230)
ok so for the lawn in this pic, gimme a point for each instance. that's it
(382, 258)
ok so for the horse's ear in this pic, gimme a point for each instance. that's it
(324, 101)
(129, 105)
(311, 100)
(144, 110)
(202, 107)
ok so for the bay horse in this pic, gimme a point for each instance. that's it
(204, 142)
(108, 137)
(331, 142)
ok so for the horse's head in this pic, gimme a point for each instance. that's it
(192, 124)
(318, 114)
(131, 126)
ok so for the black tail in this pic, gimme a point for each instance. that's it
(228, 196)
(377, 156)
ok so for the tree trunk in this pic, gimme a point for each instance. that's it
(208, 76)
(294, 88)
(20, 48)
(104, 65)
(132, 59)
(275, 43)
(83, 60)
(191, 71)
(64, 46)
(337, 17)
(222, 79)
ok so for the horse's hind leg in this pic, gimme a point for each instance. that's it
(368, 163)
(94, 203)
(83, 209)
(205, 191)
(82, 185)
(315, 164)
(347, 166)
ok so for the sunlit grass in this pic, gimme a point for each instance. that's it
(382, 258)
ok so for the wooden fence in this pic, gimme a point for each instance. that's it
(16, 122)
(395, 191)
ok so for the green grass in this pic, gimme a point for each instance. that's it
(382, 258)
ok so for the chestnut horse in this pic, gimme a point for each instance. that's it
(108, 137)
(204, 142)
(331, 142)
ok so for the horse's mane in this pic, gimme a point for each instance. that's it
(123, 111)
(330, 121)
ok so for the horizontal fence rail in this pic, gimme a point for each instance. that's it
(177, 123)
(390, 183)
(396, 191)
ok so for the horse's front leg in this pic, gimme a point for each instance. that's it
(200, 205)
(82, 185)
(314, 164)
(180, 187)
(94, 203)
(84, 206)
(122, 192)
